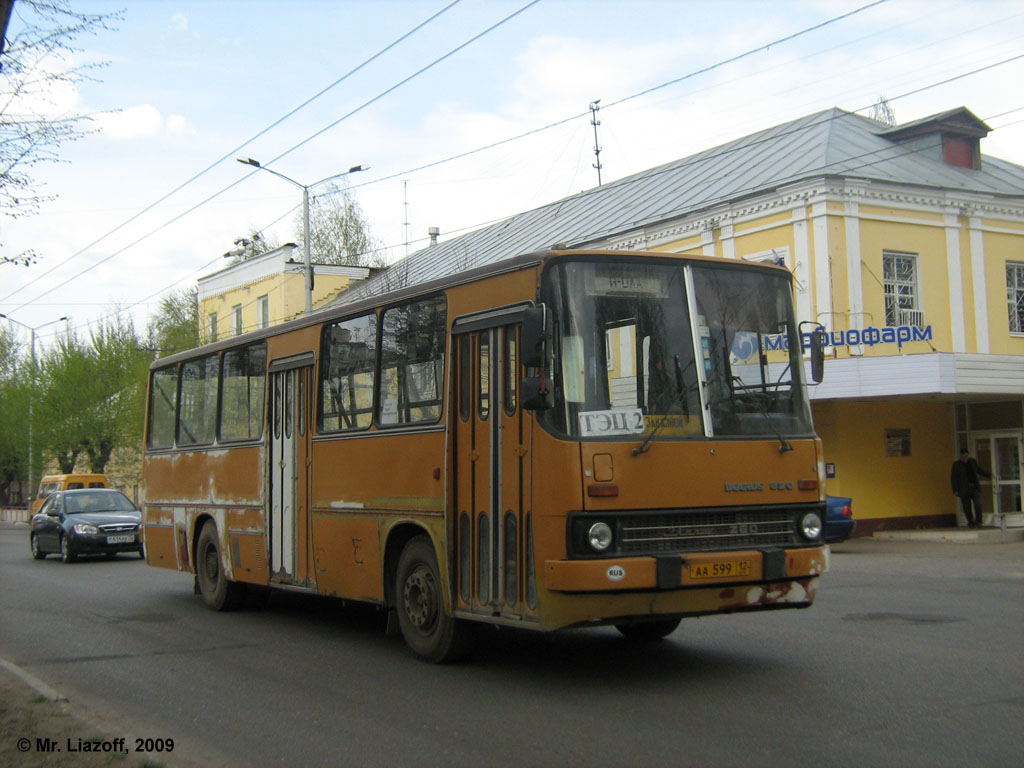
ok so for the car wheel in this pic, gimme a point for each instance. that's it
(219, 593)
(67, 554)
(37, 553)
(428, 631)
(649, 631)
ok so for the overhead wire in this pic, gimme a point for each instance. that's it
(240, 180)
(241, 146)
(576, 116)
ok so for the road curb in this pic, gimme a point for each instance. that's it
(48, 693)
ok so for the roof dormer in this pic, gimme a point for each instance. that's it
(953, 137)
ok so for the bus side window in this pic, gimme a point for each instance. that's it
(197, 420)
(243, 381)
(163, 403)
(464, 378)
(511, 368)
(412, 363)
(348, 367)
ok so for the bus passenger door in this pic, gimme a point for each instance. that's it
(290, 544)
(493, 557)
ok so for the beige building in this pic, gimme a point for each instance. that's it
(266, 290)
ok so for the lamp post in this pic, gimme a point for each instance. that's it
(32, 332)
(305, 215)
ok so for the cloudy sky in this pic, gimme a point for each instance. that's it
(190, 84)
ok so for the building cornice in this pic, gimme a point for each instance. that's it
(800, 195)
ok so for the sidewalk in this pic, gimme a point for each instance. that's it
(955, 535)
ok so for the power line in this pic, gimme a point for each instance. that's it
(628, 98)
(232, 152)
(283, 154)
(703, 157)
(750, 52)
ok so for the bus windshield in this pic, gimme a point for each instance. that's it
(640, 354)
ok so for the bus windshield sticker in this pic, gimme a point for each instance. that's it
(627, 421)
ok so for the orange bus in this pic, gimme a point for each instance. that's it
(566, 438)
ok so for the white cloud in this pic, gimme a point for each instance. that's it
(178, 126)
(179, 22)
(141, 122)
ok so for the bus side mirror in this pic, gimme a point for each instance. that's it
(818, 355)
(535, 393)
(534, 335)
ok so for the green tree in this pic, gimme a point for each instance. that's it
(61, 400)
(175, 326)
(117, 384)
(14, 426)
(38, 63)
(90, 395)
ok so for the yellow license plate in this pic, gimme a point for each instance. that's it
(720, 569)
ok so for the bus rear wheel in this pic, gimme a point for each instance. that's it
(219, 593)
(649, 631)
(429, 632)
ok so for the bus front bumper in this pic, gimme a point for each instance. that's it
(586, 592)
(702, 569)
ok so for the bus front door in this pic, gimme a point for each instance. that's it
(493, 557)
(290, 544)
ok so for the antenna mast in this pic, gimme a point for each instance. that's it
(597, 146)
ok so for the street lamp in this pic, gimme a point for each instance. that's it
(32, 331)
(305, 215)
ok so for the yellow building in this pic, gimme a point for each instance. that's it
(906, 244)
(266, 290)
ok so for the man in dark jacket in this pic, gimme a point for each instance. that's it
(967, 485)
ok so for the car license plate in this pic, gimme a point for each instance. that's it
(127, 538)
(719, 569)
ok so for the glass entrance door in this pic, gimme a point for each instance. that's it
(1000, 455)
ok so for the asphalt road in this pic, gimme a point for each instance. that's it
(911, 657)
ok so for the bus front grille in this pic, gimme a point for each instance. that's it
(704, 531)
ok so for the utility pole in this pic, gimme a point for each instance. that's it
(597, 147)
(405, 208)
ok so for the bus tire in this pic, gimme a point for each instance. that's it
(219, 593)
(429, 632)
(649, 631)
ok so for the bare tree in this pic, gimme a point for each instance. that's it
(339, 232)
(37, 66)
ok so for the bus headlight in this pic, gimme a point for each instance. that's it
(599, 537)
(810, 526)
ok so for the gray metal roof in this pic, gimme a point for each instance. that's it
(832, 143)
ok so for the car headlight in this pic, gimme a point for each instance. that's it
(810, 526)
(82, 528)
(599, 537)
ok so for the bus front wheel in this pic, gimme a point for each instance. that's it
(419, 601)
(219, 593)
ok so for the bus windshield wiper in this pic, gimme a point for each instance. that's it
(678, 405)
(759, 398)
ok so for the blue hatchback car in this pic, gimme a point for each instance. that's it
(839, 522)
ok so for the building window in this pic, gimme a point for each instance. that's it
(1015, 296)
(902, 302)
(263, 311)
(236, 320)
(213, 326)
